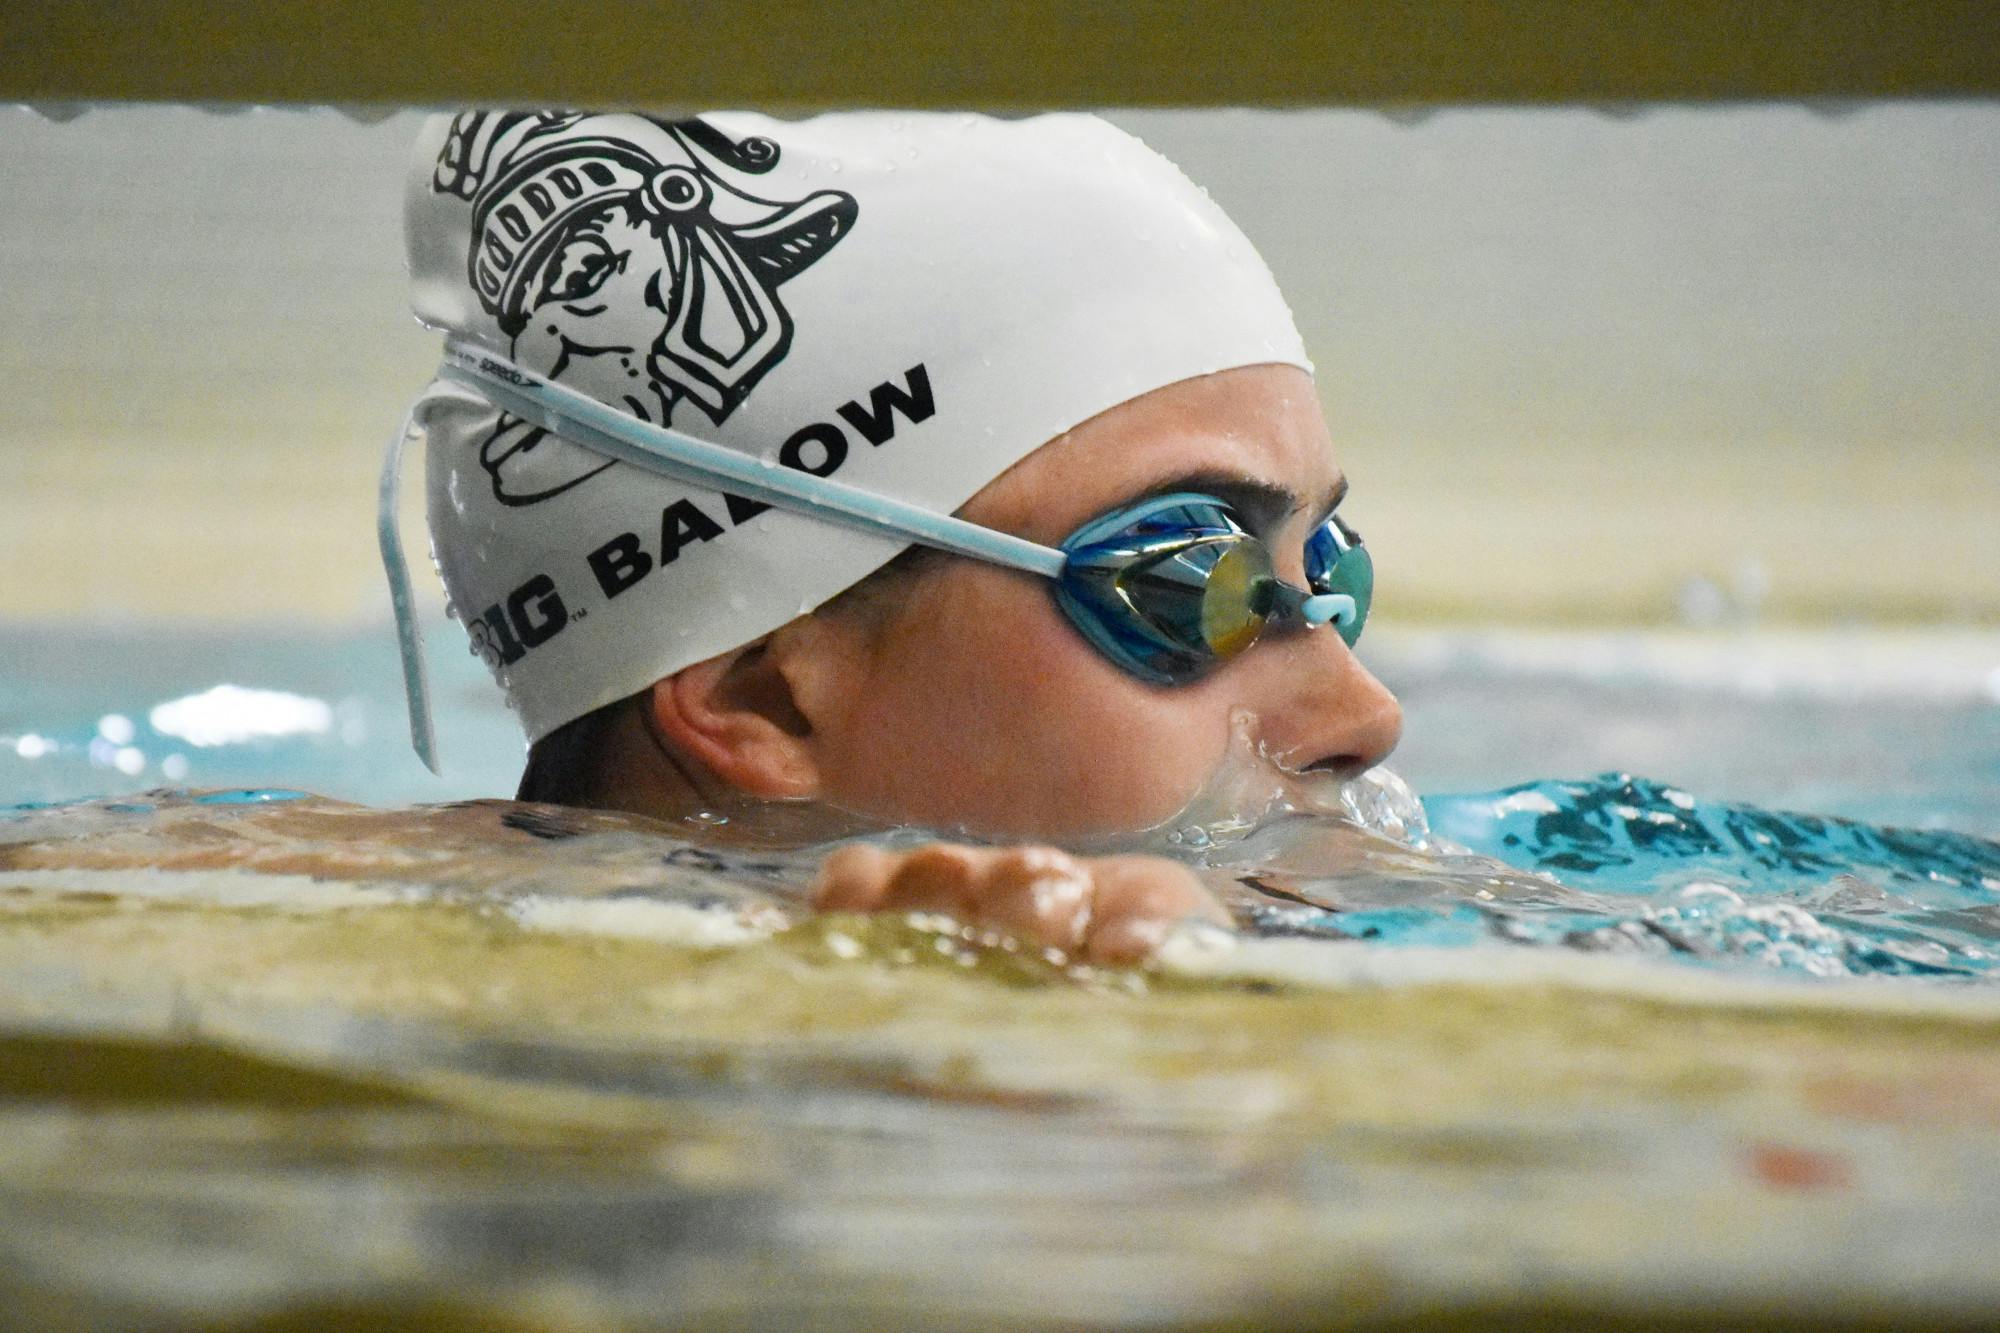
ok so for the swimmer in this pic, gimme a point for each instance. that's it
(801, 479)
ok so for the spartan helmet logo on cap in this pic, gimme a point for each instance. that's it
(616, 254)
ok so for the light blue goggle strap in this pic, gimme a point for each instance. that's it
(583, 420)
(409, 637)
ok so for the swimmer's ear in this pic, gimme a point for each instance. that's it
(736, 715)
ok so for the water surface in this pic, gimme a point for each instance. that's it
(1599, 1045)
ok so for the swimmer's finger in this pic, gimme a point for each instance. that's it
(853, 879)
(1114, 910)
(1037, 894)
(937, 877)
(1140, 899)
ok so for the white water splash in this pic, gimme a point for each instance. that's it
(1252, 788)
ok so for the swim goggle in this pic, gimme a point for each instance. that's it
(1167, 588)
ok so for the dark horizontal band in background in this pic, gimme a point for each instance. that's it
(996, 54)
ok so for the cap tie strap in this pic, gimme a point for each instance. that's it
(409, 636)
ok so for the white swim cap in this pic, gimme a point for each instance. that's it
(910, 302)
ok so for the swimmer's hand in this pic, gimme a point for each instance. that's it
(1107, 909)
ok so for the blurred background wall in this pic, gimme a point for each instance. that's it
(1697, 364)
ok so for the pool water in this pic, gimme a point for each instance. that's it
(1544, 1045)
(1886, 727)
(1621, 863)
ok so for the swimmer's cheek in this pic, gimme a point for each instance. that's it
(1115, 910)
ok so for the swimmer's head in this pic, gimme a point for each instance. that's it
(1027, 322)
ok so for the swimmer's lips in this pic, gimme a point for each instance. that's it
(776, 242)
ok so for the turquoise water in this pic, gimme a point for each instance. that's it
(1713, 882)
(1699, 864)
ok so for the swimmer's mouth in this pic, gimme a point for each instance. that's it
(1251, 790)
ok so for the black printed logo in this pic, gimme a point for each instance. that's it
(581, 222)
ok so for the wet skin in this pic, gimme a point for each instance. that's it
(965, 700)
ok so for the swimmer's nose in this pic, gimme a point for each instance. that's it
(1331, 714)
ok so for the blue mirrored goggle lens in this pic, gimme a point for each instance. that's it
(1140, 584)
(1337, 562)
(1176, 585)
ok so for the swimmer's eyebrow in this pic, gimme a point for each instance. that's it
(1265, 504)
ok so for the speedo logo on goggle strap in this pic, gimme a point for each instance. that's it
(535, 611)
